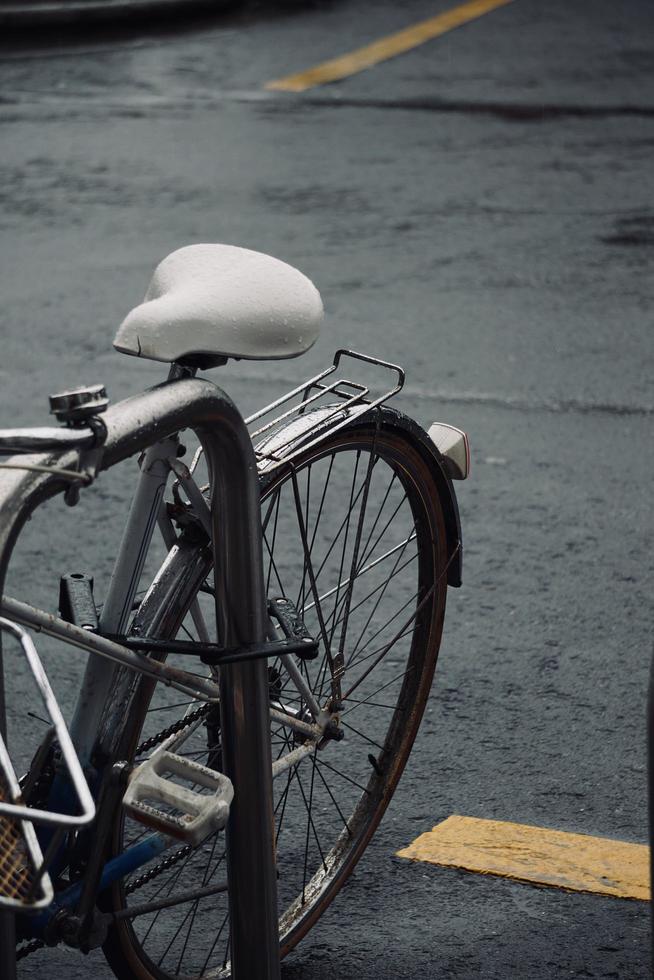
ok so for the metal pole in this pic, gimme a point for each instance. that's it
(245, 725)
(244, 704)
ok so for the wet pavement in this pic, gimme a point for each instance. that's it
(479, 209)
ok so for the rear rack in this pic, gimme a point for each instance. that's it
(24, 882)
(318, 406)
(333, 405)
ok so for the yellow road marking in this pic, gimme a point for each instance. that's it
(574, 862)
(386, 47)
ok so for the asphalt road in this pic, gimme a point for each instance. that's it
(479, 209)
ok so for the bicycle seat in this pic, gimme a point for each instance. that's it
(209, 302)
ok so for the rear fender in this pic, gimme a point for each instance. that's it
(313, 426)
(437, 464)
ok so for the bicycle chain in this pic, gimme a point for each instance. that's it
(164, 865)
(145, 746)
(150, 743)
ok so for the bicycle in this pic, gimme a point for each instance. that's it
(304, 582)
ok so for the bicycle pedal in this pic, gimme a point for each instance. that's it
(155, 799)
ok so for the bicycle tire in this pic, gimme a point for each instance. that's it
(397, 482)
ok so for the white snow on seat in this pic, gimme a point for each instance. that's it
(222, 301)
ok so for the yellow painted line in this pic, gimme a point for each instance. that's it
(386, 47)
(574, 862)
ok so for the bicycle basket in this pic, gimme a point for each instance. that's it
(24, 881)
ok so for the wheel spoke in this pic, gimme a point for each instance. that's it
(359, 651)
(358, 704)
(326, 765)
(192, 910)
(357, 657)
(370, 741)
(397, 570)
(309, 826)
(283, 798)
(312, 580)
(336, 539)
(355, 559)
(370, 550)
(310, 823)
(215, 943)
(333, 799)
(272, 564)
(364, 571)
(300, 601)
(388, 646)
(381, 595)
(271, 547)
(345, 539)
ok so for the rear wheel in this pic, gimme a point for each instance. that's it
(354, 538)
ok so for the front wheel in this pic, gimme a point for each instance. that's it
(354, 537)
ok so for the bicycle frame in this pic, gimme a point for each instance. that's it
(133, 425)
(151, 422)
